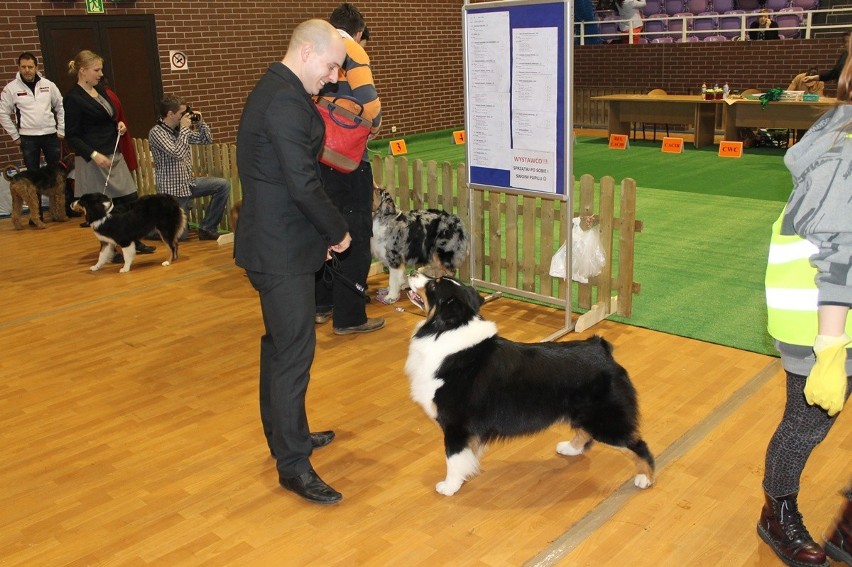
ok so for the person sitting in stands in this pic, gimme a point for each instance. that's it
(630, 10)
(764, 27)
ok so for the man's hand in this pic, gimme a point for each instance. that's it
(339, 247)
(811, 78)
(186, 120)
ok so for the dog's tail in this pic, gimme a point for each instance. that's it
(10, 170)
(235, 214)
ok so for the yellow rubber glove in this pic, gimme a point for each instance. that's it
(826, 384)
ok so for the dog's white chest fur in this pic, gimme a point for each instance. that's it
(426, 354)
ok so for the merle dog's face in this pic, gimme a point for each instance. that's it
(383, 202)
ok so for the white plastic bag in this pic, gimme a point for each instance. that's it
(587, 255)
(557, 263)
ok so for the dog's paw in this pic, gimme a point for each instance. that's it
(447, 488)
(167, 263)
(95, 268)
(386, 299)
(569, 450)
(642, 481)
(124, 270)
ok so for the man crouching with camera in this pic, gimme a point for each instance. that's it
(178, 127)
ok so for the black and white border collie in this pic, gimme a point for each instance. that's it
(480, 387)
(415, 238)
(124, 227)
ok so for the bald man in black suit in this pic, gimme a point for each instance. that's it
(287, 229)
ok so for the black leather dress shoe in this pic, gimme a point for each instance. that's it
(312, 488)
(144, 248)
(321, 438)
(207, 235)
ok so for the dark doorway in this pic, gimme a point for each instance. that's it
(128, 45)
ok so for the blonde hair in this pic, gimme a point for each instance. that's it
(83, 60)
(844, 82)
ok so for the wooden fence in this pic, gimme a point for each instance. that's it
(215, 160)
(517, 234)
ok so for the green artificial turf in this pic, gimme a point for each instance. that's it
(701, 257)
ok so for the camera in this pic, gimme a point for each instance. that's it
(192, 115)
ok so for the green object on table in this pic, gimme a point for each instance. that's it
(772, 94)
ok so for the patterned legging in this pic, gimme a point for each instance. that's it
(802, 428)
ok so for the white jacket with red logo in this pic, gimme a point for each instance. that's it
(36, 114)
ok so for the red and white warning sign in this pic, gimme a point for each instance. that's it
(178, 61)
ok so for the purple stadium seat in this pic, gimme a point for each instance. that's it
(721, 5)
(805, 4)
(662, 40)
(789, 18)
(655, 26)
(748, 5)
(672, 7)
(678, 23)
(609, 29)
(776, 5)
(652, 7)
(730, 24)
(695, 6)
(715, 38)
(706, 24)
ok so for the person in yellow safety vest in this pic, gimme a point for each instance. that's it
(808, 295)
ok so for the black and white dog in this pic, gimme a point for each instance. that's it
(123, 227)
(480, 387)
(415, 238)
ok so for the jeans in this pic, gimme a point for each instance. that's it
(219, 189)
(33, 146)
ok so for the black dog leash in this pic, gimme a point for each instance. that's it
(331, 271)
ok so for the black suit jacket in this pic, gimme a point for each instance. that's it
(88, 126)
(287, 222)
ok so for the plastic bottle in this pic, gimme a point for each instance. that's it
(704, 90)
(717, 92)
(726, 91)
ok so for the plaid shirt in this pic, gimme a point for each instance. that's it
(173, 156)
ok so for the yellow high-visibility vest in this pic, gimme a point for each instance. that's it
(791, 291)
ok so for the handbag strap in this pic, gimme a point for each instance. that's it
(347, 98)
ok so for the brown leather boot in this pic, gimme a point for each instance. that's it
(839, 545)
(781, 527)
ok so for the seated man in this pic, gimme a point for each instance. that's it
(169, 139)
(808, 82)
(764, 27)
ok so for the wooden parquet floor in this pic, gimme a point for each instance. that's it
(130, 435)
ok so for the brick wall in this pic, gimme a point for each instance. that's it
(416, 52)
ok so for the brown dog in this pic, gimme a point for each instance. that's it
(28, 186)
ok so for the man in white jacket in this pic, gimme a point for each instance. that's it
(39, 118)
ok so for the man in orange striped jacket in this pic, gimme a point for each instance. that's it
(351, 192)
